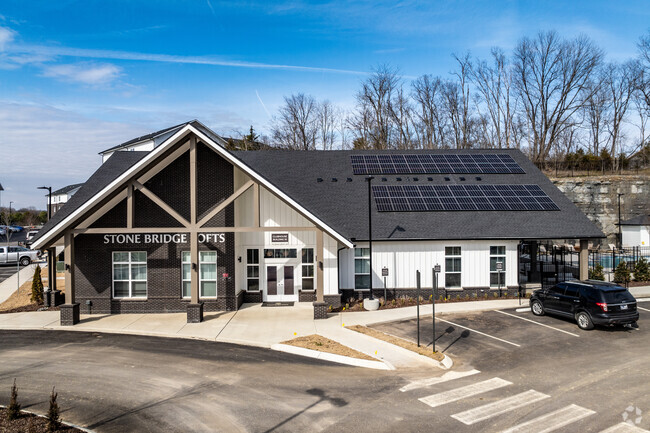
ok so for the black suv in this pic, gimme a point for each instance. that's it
(589, 302)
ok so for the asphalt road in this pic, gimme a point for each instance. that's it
(112, 383)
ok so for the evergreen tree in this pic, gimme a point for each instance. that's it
(597, 273)
(37, 286)
(53, 417)
(622, 273)
(13, 410)
(641, 270)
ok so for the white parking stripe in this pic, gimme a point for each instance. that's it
(499, 407)
(522, 310)
(639, 308)
(624, 428)
(436, 400)
(537, 323)
(643, 299)
(552, 421)
(479, 332)
(450, 375)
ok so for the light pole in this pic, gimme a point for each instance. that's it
(369, 179)
(49, 200)
(9, 219)
(620, 235)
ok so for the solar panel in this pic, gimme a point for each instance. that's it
(427, 164)
(418, 198)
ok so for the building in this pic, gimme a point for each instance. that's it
(190, 226)
(636, 231)
(61, 196)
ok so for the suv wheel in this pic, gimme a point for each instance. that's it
(25, 261)
(537, 308)
(584, 321)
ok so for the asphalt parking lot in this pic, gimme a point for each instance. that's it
(536, 366)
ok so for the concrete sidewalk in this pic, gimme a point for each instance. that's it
(10, 285)
(255, 325)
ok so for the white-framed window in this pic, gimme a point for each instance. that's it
(253, 269)
(307, 269)
(207, 274)
(452, 267)
(186, 274)
(497, 255)
(361, 268)
(130, 274)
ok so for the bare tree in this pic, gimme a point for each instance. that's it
(552, 76)
(327, 122)
(494, 85)
(457, 97)
(595, 112)
(430, 117)
(296, 126)
(374, 107)
(402, 114)
(620, 81)
(643, 85)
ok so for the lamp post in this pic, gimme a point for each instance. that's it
(369, 179)
(49, 200)
(9, 218)
(620, 235)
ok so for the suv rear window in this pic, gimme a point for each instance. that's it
(616, 296)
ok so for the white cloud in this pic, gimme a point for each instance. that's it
(86, 73)
(6, 37)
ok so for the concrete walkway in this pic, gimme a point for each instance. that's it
(10, 285)
(255, 325)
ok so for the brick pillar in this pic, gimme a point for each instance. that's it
(69, 314)
(320, 310)
(195, 313)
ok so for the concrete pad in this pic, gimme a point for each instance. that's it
(105, 322)
(264, 326)
(209, 329)
(29, 320)
(166, 323)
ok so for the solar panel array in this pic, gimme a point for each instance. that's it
(410, 198)
(433, 164)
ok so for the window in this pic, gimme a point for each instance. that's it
(571, 291)
(186, 274)
(253, 269)
(452, 267)
(207, 274)
(280, 253)
(497, 255)
(129, 274)
(361, 268)
(307, 269)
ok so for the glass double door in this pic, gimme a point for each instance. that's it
(280, 283)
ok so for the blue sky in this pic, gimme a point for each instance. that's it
(77, 77)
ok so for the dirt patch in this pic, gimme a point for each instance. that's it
(29, 423)
(405, 344)
(20, 300)
(322, 344)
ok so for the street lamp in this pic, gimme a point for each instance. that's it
(9, 219)
(369, 179)
(620, 235)
(49, 200)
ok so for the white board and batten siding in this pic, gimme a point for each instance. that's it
(276, 213)
(635, 235)
(404, 258)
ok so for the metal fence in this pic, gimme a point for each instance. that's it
(610, 259)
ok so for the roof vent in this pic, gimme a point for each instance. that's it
(383, 179)
(399, 179)
(447, 179)
(462, 179)
(349, 179)
(320, 179)
(478, 178)
(415, 179)
(430, 179)
(334, 179)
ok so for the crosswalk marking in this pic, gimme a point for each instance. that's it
(499, 407)
(436, 400)
(624, 428)
(552, 421)
(450, 375)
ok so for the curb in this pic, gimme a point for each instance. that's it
(377, 365)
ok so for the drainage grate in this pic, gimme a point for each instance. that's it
(277, 304)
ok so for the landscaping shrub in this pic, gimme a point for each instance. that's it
(622, 273)
(13, 410)
(53, 416)
(37, 286)
(597, 273)
(641, 270)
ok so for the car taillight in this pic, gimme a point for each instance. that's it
(602, 305)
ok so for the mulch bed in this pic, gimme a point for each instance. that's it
(322, 344)
(405, 344)
(27, 308)
(28, 423)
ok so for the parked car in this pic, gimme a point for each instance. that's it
(23, 255)
(16, 229)
(30, 235)
(588, 302)
(2, 231)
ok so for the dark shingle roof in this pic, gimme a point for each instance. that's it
(105, 174)
(641, 220)
(343, 205)
(67, 189)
